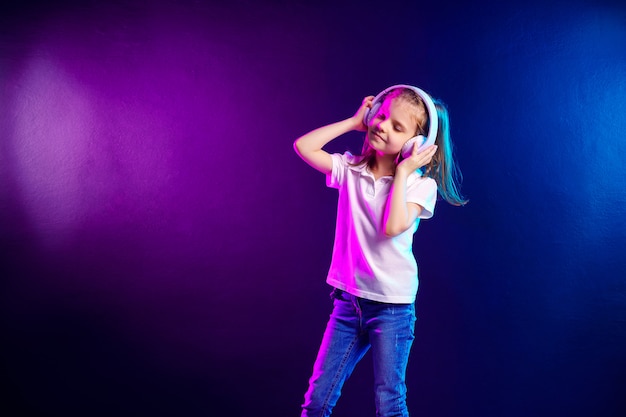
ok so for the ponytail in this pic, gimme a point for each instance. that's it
(443, 168)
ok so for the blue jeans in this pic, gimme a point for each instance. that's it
(354, 326)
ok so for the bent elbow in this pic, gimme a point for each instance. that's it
(391, 231)
(300, 148)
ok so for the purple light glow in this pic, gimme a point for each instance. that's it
(136, 146)
(53, 117)
(110, 133)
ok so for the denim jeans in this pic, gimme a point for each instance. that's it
(355, 325)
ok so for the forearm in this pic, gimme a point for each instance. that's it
(399, 215)
(309, 146)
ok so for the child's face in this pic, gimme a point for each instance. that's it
(394, 123)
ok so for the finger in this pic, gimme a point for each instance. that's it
(431, 148)
(416, 151)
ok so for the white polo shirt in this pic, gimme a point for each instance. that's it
(365, 262)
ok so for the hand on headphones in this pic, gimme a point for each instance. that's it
(359, 124)
(416, 160)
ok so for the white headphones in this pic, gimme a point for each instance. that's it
(422, 141)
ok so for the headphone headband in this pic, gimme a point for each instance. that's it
(433, 125)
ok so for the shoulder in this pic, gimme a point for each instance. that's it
(426, 186)
(347, 160)
(422, 191)
(417, 179)
(344, 166)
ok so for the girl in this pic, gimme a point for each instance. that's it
(382, 196)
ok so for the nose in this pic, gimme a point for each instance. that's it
(382, 125)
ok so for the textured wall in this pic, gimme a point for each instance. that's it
(164, 250)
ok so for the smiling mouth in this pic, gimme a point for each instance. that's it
(377, 136)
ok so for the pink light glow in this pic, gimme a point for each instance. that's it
(53, 116)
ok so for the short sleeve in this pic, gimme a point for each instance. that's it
(423, 191)
(336, 177)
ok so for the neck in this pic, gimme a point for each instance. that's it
(383, 165)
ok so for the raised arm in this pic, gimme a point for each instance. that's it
(401, 215)
(309, 147)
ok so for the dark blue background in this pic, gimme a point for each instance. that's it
(164, 250)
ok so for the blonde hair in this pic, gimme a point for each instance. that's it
(443, 167)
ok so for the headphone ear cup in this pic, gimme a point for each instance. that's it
(407, 148)
(370, 113)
